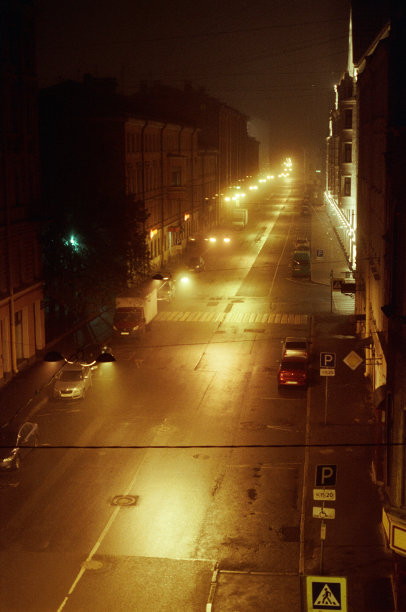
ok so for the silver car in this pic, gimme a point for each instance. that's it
(15, 443)
(72, 382)
(295, 347)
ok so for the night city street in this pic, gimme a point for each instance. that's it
(202, 306)
(214, 465)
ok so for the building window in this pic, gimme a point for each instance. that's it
(347, 185)
(176, 177)
(348, 119)
(348, 152)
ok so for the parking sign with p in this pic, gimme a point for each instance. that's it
(326, 475)
(327, 360)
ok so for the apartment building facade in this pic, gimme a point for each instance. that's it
(97, 144)
(378, 100)
(176, 182)
(221, 127)
(22, 327)
(341, 175)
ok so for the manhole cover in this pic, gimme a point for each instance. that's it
(124, 500)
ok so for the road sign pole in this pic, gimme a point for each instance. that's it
(331, 291)
(325, 401)
(322, 538)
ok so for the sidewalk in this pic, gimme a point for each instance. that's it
(342, 423)
(27, 389)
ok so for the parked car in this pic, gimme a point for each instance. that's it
(302, 244)
(196, 264)
(301, 267)
(72, 381)
(295, 347)
(16, 443)
(293, 371)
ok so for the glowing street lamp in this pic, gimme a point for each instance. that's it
(84, 356)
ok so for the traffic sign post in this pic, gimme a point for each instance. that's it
(327, 360)
(327, 368)
(326, 593)
(326, 476)
(322, 512)
(324, 494)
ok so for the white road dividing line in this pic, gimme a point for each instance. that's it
(100, 539)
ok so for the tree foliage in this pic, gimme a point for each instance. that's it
(91, 251)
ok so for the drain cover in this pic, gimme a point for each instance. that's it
(124, 500)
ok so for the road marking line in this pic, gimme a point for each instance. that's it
(236, 316)
(213, 586)
(100, 538)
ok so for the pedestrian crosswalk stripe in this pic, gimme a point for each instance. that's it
(235, 316)
(343, 303)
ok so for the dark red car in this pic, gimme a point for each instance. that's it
(293, 372)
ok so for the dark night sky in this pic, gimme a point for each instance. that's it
(275, 61)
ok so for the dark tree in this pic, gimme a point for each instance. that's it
(91, 252)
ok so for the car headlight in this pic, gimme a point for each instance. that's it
(7, 461)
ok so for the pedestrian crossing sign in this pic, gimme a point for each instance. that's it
(326, 593)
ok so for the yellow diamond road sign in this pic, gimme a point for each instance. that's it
(353, 360)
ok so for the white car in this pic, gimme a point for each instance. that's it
(296, 347)
(72, 381)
